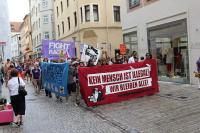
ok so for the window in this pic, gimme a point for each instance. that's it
(75, 19)
(44, 3)
(40, 37)
(58, 30)
(46, 35)
(36, 11)
(96, 12)
(45, 19)
(38, 7)
(63, 27)
(81, 14)
(134, 3)
(87, 13)
(57, 11)
(61, 5)
(68, 19)
(170, 50)
(67, 3)
(116, 13)
(131, 41)
(39, 22)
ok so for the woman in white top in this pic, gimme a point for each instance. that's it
(17, 101)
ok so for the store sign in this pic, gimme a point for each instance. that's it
(56, 49)
(134, 3)
(55, 77)
(122, 49)
(107, 84)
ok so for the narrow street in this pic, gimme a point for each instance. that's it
(174, 110)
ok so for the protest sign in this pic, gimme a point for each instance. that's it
(57, 49)
(114, 83)
(89, 52)
(54, 77)
(122, 48)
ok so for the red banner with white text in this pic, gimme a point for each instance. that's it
(114, 83)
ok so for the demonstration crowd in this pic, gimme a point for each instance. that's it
(14, 73)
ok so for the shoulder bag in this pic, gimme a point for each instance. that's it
(21, 89)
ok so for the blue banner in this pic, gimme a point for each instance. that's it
(54, 77)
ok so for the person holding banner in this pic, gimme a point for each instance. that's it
(132, 58)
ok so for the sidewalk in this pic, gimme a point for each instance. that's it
(176, 109)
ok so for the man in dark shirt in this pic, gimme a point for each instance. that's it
(36, 78)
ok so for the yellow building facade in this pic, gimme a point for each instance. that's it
(26, 41)
(93, 22)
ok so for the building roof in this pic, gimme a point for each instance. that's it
(15, 26)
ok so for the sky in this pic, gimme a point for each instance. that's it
(18, 9)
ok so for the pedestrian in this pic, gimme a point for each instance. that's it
(17, 101)
(198, 70)
(148, 56)
(36, 79)
(1, 83)
(132, 58)
(47, 92)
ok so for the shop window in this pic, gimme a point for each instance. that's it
(168, 44)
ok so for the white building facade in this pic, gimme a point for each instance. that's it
(42, 23)
(15, 43)
(4, 31)
(169, 30)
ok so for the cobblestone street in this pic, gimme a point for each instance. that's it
(174, 110)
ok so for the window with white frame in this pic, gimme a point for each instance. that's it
(116, 11)
(45, 19)
(96, 12)
(46, 35)
(87, 13)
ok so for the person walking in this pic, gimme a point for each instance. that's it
(17, 101)
(198, 70)
(36, 79)
(1, 83)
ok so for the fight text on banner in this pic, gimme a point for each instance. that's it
(54, 77)
(114, 83)
(58, 49)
